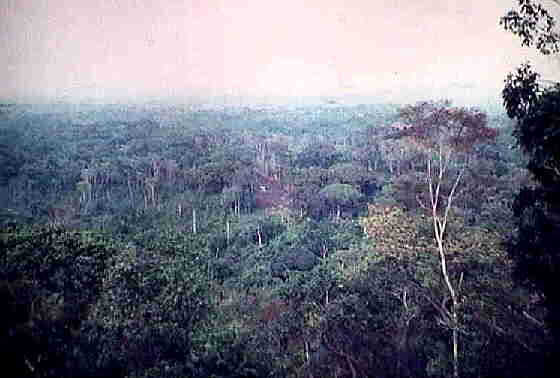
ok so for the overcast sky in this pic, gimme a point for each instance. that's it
(135, 48)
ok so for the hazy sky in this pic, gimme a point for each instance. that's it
(106, 48)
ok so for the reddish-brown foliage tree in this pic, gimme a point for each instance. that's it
(438, 126)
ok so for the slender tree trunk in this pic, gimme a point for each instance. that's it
(259, 236)
(130, 193)
(440, 224)
(455, 343)
(454, 302)
(227, 233)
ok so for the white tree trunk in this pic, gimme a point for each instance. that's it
(439, 225)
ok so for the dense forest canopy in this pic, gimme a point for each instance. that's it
(256, 241)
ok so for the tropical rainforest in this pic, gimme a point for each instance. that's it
(142, 241)
(329, 240)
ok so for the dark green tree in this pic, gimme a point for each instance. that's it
(51, 277)
(534, 246)
(535, 105)
(317, 155)
(339, 198)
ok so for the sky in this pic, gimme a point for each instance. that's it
(130, 49)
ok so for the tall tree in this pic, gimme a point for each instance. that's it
(447, 136)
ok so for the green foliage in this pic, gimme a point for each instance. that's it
(151, 302)
(51, 278)
(521, 91)
(356, 175)
(317, 155)
(489, 300)
(11, 159)
(343, 193)
(197, 277)
(538, 135)
(536, 208)
(338, 198)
